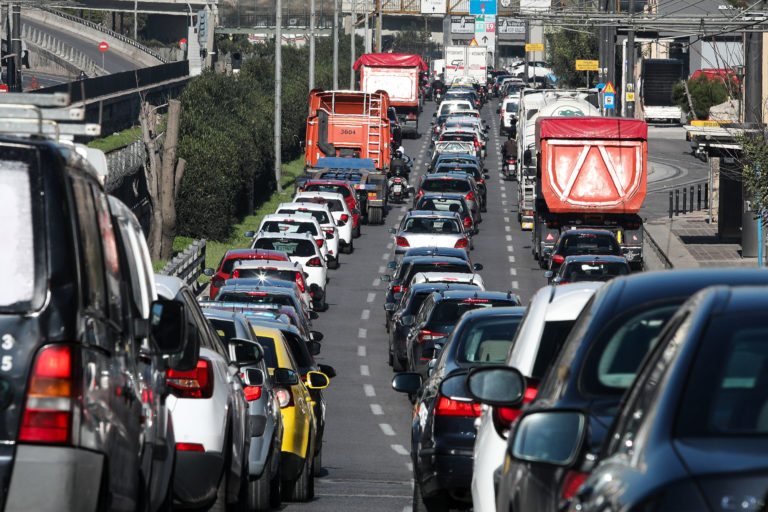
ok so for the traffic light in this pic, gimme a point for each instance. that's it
(202, 26)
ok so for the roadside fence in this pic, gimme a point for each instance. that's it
(188, 265)
(687, 193)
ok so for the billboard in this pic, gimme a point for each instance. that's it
(462, 24)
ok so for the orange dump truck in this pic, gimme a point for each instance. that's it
(591, 173)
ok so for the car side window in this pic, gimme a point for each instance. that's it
(425, 310)
(92, 259)
(110, 254)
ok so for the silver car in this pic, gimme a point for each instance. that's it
(421, 228)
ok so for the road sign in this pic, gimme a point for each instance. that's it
(103, 46)
(481, 7)
(609, 89)
(630, 96)
(473, 42)
(587, 65)
(534, 47)
(608, 100)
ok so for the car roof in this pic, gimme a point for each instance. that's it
(295, 265)
(582, 258)
(587, 231)
(249, 253)
(308, 206)
(430, 214)
(432, 259)
(493, 312)
(433, 287)
(302, 236)
(445, 176)
(433, 252)
(319, 193)
(269, 286)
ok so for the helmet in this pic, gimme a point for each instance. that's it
(398, 153)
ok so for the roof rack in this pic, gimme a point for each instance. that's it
(45, 115)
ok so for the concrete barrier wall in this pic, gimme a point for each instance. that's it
(51, 55)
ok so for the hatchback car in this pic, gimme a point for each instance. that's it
(588, 268)
(449, 203)
(340, 212)
(289, 271)
(224, 270)
(581, 241)
(343, 187)
(430, 229)
(270, 292)
(301, 223)
(452, 183)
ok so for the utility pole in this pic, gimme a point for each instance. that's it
(379, 26)
(753, 73)
(14, 75)
(311, 44)
(352, 46)
(366, 38)
(630, 105)
(527, 40)
(135, 20)
(278, 93)
(335, 44)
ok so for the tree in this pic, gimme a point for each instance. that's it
(754, 160)
(704, 93)
(565, 47)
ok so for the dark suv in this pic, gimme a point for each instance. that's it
(70, 368)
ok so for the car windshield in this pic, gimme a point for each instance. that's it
(727, 389)
(512, 107)
(441, 205)
(589, 243)
(276, 226)
(337, 189)
(17, 225)
(614, 358)
(266, 273)
(320, 216)
(438, 225)
(594, 270)
(487, 340)
(255, 298)
(446, 185)
(290, 246)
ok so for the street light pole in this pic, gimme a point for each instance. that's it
(311, 44)
(278, 92)
(630, 63)
(352, 46)
(335, 44)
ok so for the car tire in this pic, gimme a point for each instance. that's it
(260, 489)
(303, 488)
(397, 364)
(317, 462)
(432, 504)
(220, 505)
(350, 247)
(335, 264)
(356, 231)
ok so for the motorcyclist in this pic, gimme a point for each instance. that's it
(438, 87)
(399, 164)
(509, 148)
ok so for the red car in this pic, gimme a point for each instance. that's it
(224, 271)
(340, 187)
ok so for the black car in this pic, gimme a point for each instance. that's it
(443, 432)
(403, 313)
(412, 265)
(72, 339)
(480, 175)
(438, 315)
(581, 241)
(691, 434)
(440, 202)
(595, 367)
(453, 184)
(589, 268)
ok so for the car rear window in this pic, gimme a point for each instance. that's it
(292, 247)
(441, 205)
(449, 311)
(511, 107)
(594, 270)
(446, 185)
(437, 225)
(487, 340)
(438, 267)
(299, 352)
(552, 339)
(458, 137)
(17, 230)
(337, 189)
(319, 215)
(263, 273)
(334, 205)
(589, 243)
(274, 226)
(255, 298)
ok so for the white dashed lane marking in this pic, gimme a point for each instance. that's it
(362, 333)
(364, 370)
(371, 297)
(376, 282)
(513, 271)
(511, 248)
(385, 256)
(511, 259)
(377, 410)
(361, 351)
(368, 390)
(508, 238)
(365, 315)
(399, 449)
(387, 429)
(515, 285)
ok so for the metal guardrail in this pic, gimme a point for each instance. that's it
(687, 192)
(188, 265)
(104, 29)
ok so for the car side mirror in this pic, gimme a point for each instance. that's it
(548, 274)
(385, 278)
(407, 320)
(477, 266)
(553, 437)
(314, 347)
(434, 114)
(209, 272)
(250, 234)
(392, 230)
(407, 382)
(167, 324)
(317, 380)
(245, 352)
(313, 315)
(253, 377)
(392, 265)
(285, 377)
(389, 306)
(328, 370)
(316, 335)
(499, 385)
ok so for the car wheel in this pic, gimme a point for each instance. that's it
(542, 262)
(397, 364)
(260, 490)
(350, 247)
(303, 489)
(356, 231)
(317, 463)
(431, 504)
(220, 505)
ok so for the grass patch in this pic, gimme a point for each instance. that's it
(215, 250)
(117, 140)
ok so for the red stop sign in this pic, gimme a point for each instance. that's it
(103, 46)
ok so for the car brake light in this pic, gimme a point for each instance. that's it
(470, 196)
(503, 417)
(402, 242)
(319, 242)
(558, 258)
(284, 397)
(467, 222)
(48, 410)
(252, 393)
(476, 301)
(300, 281)
(344, 218)
(571, 483)
(257, 294)
(421, 193)
(190, 447)
(447, 407)
(396, 288)
(461, 243)
(197, 383)
(427, 335)
(314, 262)
(236, 274)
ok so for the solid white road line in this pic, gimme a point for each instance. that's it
(387, 429)
(377, 410)
(368, 390)
(361, 351)
(362, 333)
(399, 449)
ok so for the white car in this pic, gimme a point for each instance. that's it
(449, 277)
(423, 228)
(340, 211)
(448, 106)
(323, 216)
(267, 269)
(209, 412)
(508, 112)
(302, 222)
(550, 316)
(301, 248)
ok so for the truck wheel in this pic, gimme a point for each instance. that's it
(375, 216)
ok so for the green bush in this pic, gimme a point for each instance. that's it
(705, 93)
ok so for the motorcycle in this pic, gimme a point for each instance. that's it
(397, 184)
(438, 96)
(509, 167)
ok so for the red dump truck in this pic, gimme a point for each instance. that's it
(591, 173)
(398, 74)
(353, 126)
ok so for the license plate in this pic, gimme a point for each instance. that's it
(397, 188)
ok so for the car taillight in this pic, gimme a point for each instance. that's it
(197, 383)
(470, 196)
(236, 274)
(402, 242)
(558, 258)
(300, 282)
(461, 243)
(427, 335)
(447, 407)
(421, 193)
(571, 483)
(284, 397)
(344, 218)
(252, 393)
(396, 288)
(314, 262)
(190, 447)
(319, 242)
(48, 410)
(477, 144)
(503, 417)
(467, 222)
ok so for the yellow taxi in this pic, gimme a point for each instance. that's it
(296, 407)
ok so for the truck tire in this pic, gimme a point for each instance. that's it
(375, 216)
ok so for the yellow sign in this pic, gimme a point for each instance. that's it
(609, 89)
(534, 47)
(473, 42)
(630, 96)
(713, 124)
(587, 65)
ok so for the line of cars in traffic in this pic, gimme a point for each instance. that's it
(609, 391)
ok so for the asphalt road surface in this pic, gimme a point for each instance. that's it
(366, 461)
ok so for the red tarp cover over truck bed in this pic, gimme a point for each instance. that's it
(397, 60)
(592, 164)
